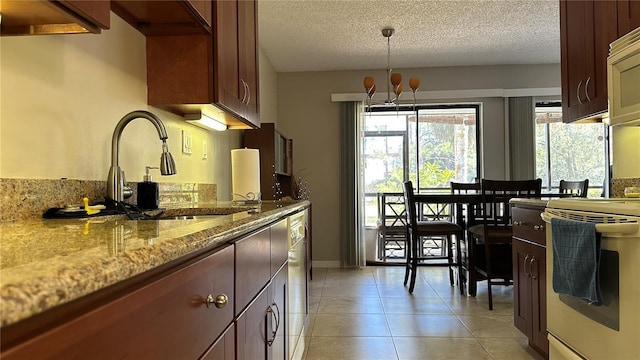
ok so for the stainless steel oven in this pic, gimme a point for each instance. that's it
(577, 330)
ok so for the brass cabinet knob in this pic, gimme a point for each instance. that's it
(220, 301)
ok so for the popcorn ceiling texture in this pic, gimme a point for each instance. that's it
(24, 199)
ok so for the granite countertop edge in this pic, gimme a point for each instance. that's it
(25, 296)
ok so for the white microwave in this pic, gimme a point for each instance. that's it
(623, 72)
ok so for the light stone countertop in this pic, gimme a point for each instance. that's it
(45, 262)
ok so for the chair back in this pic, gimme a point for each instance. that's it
(576, 188)
(391, 210)
(410, 205)
(465, 188)
(496, 195)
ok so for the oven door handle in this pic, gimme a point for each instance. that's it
(611, 228)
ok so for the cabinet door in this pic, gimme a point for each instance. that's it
(574, 31)
(587, 27)
(251, 329)
(248, 57)
(605, 31)
(521, 286)
(277, 339)
(628, 16)
(538, 270)
(229, 91)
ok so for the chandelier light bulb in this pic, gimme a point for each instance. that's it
(368, 82)
(396, 79)
(414, 84)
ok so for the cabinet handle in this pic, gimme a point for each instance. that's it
(277, 317)
(533, 274)
(244, 87)
(248, 92)
(586, 89)
(538, 227)
(578, 92)
(518, 223)
(524, 264)
(220, 301)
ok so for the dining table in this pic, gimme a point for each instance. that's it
(465, 213)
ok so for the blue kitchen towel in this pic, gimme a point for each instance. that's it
(576, 258)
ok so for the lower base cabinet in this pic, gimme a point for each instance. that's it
(530, 277)
(261, 327)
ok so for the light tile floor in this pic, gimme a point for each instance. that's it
(368, 314)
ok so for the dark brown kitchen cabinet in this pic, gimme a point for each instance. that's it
(236, 51)
(276, 160)
(279, 245)
(167, 17)
(215, 74)
(586, 30)
(529, 268)
(40, 17)
(628, 16)
(169, 318)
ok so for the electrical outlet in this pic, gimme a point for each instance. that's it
(186, 142)
(205, 153)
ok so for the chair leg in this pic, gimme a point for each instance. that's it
(461, 282)
(489, 292)
(407, 251)
(450, 258)
(414, 262)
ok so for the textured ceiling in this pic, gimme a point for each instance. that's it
(315, 35)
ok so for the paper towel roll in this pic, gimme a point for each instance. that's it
(245, 174)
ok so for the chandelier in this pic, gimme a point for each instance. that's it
(394, 80)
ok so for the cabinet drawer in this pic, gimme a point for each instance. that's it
(528, 225)
(167, 319)
(253, 266)
(279, 245)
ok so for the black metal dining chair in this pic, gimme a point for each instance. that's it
(575, 188)
(490, 248)
(425, 228)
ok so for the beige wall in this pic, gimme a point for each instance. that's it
(62, 96)
(306, 114)
(268, 91)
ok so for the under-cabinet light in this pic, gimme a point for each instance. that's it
(205, 121)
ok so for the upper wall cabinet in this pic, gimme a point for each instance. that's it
(628, 16)
(38, 17)
(586, 30)
(216, 74)
(587, 27)
(167, 17)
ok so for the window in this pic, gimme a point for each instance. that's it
(442, 146)
(569, 151)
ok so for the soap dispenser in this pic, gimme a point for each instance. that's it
(148, 192)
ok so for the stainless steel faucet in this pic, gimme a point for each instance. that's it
(115, 182)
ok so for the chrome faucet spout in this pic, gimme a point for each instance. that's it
(115, 182)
